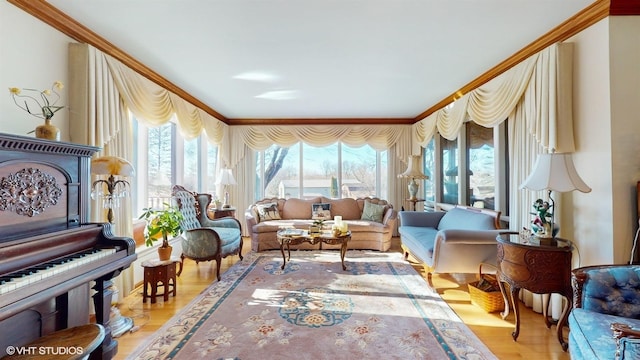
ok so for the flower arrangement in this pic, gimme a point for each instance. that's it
(543, 221)
(45, 100)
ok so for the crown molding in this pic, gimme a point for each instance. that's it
(323, 121)
(580, 21)
(75, 30)
(597, 11)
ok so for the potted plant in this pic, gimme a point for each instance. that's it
(163, 223)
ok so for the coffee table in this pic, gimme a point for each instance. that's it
(288, 237)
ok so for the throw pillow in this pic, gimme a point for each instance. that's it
(268, 212)
(372, 212)
(321, 211)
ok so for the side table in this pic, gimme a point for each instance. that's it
(215, 213)
(160, 273)
(540, 267)
(414, 202)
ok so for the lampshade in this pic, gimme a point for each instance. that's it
(414, 168)
(226, 177)
(112, 165)
(555, 172)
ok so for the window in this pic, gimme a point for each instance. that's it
(481, 165)
(163, 158)
(333, 171)
(481, 154)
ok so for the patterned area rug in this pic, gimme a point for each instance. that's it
(380, 307)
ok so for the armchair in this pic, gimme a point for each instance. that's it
(605, 319)
(205, 239)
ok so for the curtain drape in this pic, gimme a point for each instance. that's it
(99, 117)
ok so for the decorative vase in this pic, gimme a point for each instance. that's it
(164, 253)
(48, 131)
(413, 189)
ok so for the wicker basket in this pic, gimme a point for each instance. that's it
(485, 292)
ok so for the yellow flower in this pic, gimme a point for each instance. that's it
(39, 103)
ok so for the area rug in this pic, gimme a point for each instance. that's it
(379, 308)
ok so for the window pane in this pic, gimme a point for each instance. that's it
(450, 171)
(481, 162)
(159, 165)
(281, 171)
(384, 175)
(320, 167)
(359, 171)
(190, 171)
(212, 161)
(429, 167)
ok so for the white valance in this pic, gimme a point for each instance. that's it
(540, 81)
(256, 138)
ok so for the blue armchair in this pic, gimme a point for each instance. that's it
(204, 239)
(605, 320)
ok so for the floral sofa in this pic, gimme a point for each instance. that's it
(371, 221)
(605, 319)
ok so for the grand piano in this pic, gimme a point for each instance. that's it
(51, 256)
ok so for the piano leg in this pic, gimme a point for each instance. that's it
(102, 302)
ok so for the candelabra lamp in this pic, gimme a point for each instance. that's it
(225, 179)
(413, 172)
(114, 167)
(554, 172)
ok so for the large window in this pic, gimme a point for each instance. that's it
(334, 171)
(466, 170)
(163, 158)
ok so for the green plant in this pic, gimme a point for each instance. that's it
(163, 222)
(319, 223)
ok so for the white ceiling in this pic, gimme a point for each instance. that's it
(320, 58)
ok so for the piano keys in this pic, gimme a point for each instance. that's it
(50, 254)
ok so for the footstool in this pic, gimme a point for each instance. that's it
(159, 273)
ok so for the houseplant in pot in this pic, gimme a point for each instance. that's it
(161, 224)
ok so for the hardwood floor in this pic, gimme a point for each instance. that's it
(535, 340)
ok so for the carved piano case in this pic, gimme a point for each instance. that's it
(50, 254)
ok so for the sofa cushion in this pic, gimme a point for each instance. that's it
(461, 219)
(420, 240)
(321, 211)
(268, 212)
(591, 336)
(347, 208)
(297, 208)
(372, 212)
(613, 291)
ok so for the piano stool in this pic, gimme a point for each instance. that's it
(69, 344)
(159, 273)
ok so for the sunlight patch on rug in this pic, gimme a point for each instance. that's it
(380, 307)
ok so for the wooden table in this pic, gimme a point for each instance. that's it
(215, 213)
(414, 202)
(158, 272)
(288, 237)
(542, 268)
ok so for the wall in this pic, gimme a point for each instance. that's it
(606, 132)
(32, 55)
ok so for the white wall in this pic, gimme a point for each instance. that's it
(606, 112)
(32, 55)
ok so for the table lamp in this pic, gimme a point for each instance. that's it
(554, 172)
(413, 172)
(226, 178)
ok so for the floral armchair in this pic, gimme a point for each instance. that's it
(205, 239)
(605, 320)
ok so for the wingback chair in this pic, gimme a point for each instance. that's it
(205, 239)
